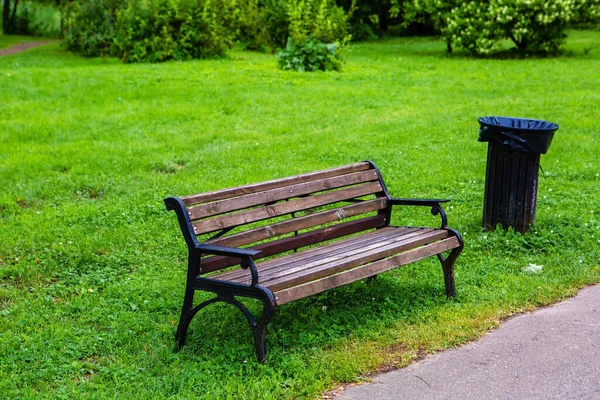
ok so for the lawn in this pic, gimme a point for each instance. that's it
(92, 266)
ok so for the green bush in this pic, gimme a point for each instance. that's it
(309, 55)
(43, 18)
(90, 27)
(316, 29)
(320, 19)
(249, 25)
(157, 30)
(479, 26)
(274, 15)
(301, 19)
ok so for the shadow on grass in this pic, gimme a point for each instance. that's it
(220, 332)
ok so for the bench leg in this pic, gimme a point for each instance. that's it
(259, 328)
(448, 265)
(187, 314)
(259, 331)
(185, 318)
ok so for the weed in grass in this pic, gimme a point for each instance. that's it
(92, 267)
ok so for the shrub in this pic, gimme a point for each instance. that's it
(309, 55)
(90, 27)
(301, 19)
(157, 30)
(317, 29)
(248, 24)
(160, 30)
(320, 19)
(44, 18)
(274, 15)
(533, 25)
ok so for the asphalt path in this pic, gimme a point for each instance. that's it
(552, 353)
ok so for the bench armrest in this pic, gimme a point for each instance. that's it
(417, 202)
(435, 205)
(225, 251)
(245, 256)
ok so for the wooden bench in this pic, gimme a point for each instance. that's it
(312, 232)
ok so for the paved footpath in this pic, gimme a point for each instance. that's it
(21, 47)
(552, 353)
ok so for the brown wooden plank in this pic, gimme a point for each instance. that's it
(307, 255)
(273, 184)
(291, 275)
(299, 223)
(343, 278)
(288, 192)
(298, 241)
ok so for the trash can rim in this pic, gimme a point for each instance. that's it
(485, 121)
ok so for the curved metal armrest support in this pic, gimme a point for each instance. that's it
(435, 205)
(245, 255)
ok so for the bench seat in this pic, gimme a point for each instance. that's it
(314, 270)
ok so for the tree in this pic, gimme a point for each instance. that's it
(9, 16)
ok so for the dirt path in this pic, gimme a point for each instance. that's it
(17, 48)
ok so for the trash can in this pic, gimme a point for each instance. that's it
(513, 161)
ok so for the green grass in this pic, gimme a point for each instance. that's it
(92, 266)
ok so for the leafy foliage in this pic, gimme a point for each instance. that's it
(479, 26)
(156, 30)
(322, 19)
(309, 55)
(301, 19)
(317, 29)
(90, 27)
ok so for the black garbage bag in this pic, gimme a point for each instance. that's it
(528, 135)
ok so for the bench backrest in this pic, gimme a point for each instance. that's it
(286, 214)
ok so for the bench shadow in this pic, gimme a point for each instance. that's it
(221, 334)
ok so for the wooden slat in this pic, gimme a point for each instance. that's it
(265, 267)
(273, 184)
(291, 275)
(298, 241)
(365, 271)
(288, 192)
(299, 223)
